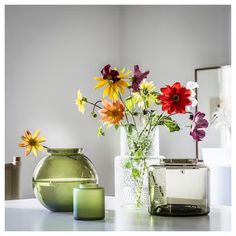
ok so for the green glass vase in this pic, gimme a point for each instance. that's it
(58, 173)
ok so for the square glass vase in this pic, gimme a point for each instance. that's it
(178, 187)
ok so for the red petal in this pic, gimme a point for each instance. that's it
(176, 85)
(166, 90)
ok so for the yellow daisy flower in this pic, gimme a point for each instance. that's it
(113, 80)
(32, 142)
(80, 102)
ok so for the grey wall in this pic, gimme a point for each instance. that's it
(51, 51)
(172, 41)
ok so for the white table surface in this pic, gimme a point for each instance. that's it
(29, 214)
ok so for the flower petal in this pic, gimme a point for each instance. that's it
(28, 135)
(106, 91)
(22, 144)
(194, 101)
(28, 150)
(40, 147)
(122, 83)
(98, 78)
(34, 150)
(41, 139)
(101, 83)
(192, 85)
(36, 134)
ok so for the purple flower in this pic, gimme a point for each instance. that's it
(198, 124)
(110, 74)
(138, 78)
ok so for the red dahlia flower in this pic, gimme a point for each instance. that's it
(175, 98)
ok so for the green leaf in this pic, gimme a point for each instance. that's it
(130, 102)
(138, 154)
(116, 126)
(170, 124)
(100, 132)
(135, 173)
(155, 119)
(128, 164)
(129, 128)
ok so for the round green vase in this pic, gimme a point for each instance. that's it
(58, 173)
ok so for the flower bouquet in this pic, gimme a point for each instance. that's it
(134, 104)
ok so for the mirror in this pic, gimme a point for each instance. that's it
(214, 100)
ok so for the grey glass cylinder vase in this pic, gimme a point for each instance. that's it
(58, 173)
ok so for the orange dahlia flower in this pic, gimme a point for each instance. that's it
(112, 112)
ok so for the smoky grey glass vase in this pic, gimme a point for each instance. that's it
(179, 187)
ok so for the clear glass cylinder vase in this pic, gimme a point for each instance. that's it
(148, 141)
(139, 149)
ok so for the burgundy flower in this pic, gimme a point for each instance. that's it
(138, 78)
(198, 124)
(110, 74)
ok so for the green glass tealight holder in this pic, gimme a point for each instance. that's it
(88, 202)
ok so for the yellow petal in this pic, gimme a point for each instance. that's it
(114, 93)
(28, 150)
(122, 90)
(127, 73)
(100, 84)
(106, 91)
(122, 83)
(79, 95)
(36, 134)
(34, 150)
(98, 78)
(122, 71)
(41, 139)
(24, 139)
(81, 107)
(28, 135)
(39, 147)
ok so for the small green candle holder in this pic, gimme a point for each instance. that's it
(88, 202)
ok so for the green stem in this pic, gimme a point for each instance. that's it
(132, 106)
(140, 184)
(94, 104)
